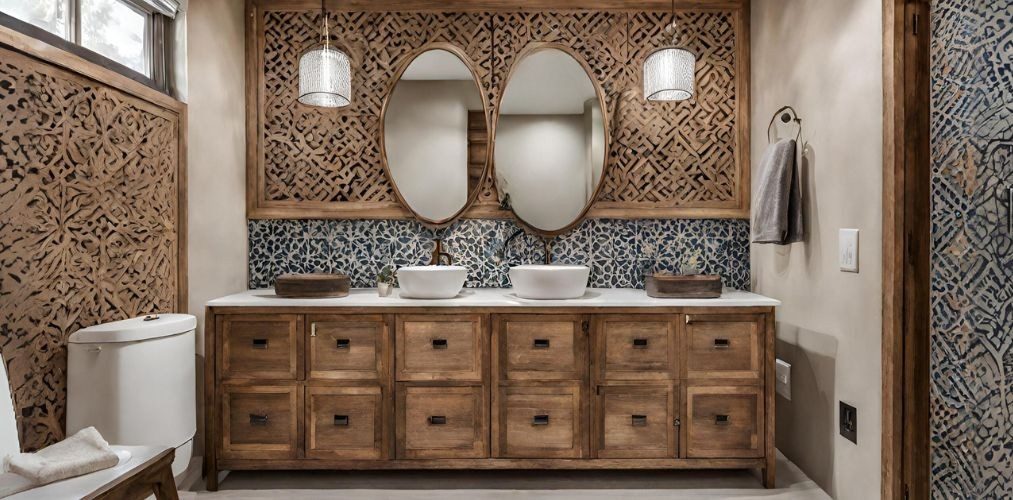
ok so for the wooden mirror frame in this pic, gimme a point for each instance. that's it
(473, 191)
(606, 126)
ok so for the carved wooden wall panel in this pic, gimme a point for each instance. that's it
(90, 192)
(667, 159)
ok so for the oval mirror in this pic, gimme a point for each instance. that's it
(435, 135)
(551, 140)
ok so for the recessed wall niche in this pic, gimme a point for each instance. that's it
(678, 159)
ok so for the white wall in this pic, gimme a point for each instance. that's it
(426, 141)
(825, 59)
(543, 161)
(216, 157)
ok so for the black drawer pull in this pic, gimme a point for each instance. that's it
(260, 343)
(640, 343)
(439, 343)
(722, 343)
(344, 343)
(638, 420)
(258, 419)
(437, 420)
(721, 420)
(540, 420)
(541, 344)
(341, 420)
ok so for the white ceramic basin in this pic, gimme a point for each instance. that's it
(431, 282)
(548, 282)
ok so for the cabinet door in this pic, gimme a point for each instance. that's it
(348, 347)
(724, 422)
(345, 423)
(442, 422)
(260, 346)
(638, 347)
(724, 346)
(541, 347)
(541, 422)
(637, 421)
(444, 347)
(260, 421)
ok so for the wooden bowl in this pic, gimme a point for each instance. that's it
(312, 286)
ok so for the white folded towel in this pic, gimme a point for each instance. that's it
(80, 454)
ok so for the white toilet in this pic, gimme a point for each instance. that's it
(134, 381)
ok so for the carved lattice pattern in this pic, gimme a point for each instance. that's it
(89, 196)
(663, 156)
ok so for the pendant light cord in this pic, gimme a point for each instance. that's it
(327, 32)
(674, 26)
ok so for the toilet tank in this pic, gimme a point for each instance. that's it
(134, 381)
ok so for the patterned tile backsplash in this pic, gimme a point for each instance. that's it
(616, 250)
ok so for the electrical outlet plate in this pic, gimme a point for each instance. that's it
(848, 250)
(848, 421)
(782, 379)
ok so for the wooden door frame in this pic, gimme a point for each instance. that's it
(906, 249)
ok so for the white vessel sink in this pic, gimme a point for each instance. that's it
(549, 282)
(431, 282)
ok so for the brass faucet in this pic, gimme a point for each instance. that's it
(439, 254)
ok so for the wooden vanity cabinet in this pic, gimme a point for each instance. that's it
(429, 388)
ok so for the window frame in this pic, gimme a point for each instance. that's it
(157, 26)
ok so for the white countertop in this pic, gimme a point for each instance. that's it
(494, 297)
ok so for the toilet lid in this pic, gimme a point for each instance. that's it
(131, 330)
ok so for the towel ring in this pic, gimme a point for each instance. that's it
(787, 114)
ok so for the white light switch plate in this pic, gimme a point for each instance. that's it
(848, 242)
(782, 379)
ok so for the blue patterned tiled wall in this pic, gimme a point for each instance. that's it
(615, 249)
(971, 352)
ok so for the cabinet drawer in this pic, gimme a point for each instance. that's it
(345, 422)
(442, 422)
(541, 347)
(260, 421)
(724, 422)
(540, 422)
(724, 346)
(260, 346)
(638, 348)
(637, 421)
(440, 347)
(347, 347)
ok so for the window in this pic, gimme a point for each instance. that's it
(128, 32)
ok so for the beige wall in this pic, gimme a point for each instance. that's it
(825, 59)
(216, 154)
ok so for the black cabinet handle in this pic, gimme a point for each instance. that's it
(260, 343)
(258, 419)
(721, 420)
(638, 420)
(341, 420)
(437, 420)
(540, 420)
(640, 343)
(541, 344)
(722, 343)
(344, 343)
(439, 343)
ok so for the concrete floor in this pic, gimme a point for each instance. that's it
(495, 485)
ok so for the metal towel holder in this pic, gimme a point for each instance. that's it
(787, 114)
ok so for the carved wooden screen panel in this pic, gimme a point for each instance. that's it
(315, 157)
(90, 195)
(686, 159)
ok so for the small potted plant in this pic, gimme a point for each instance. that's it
(385, 281)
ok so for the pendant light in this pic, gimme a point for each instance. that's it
(670, 71)
(325, 75)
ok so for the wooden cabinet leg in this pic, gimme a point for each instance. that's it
(768, 473)
(211, 477)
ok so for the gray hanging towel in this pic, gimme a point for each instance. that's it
(777, 213)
